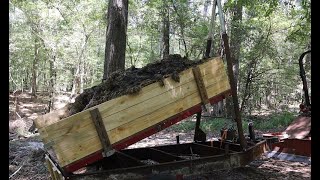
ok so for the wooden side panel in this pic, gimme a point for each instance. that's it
(75, 137)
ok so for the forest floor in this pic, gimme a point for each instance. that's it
(26, 154)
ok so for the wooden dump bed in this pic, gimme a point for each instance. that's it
(130, 118)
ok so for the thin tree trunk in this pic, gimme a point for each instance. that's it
(116, 37)
(26, 81)
(82, 76)
(268, 95)
(165, 31)
(76, 81)
(205, 8)
(303, 78)
(51, 82)
(22, 84)
(70, 84)
(77, 85)
(235, 44)
(182, 26)
(152, 55)
(246, 94)
(34, 67)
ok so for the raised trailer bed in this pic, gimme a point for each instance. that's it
(97, 132)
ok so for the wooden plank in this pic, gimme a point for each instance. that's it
(75, 137)
(77, 151)
(102, 133)
(201, 89)
(200, 84)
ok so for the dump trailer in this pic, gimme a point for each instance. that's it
(90, 135)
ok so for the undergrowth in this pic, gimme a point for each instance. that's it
(264, 123)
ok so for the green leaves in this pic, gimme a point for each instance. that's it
(273, 33)
(300, 32)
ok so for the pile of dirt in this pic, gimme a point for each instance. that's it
(131, 81)
(26, 159)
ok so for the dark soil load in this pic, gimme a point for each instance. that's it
(131, 81)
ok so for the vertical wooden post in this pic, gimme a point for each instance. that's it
(102, 133)
(201, 87)
(233, 86)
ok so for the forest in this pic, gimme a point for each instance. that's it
(58, 49)
(59, 46)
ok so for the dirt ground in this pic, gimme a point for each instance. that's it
(26, 154)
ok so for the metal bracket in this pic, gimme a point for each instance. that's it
(201, 88)
(102, 133)
(199, 135)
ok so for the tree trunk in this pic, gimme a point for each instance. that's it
(165, 30)
(268, 95)
(246, 93)
(34, 67)
(77, 84)
(22, 85)
(70, 84)
(116, 37)
(152, 53)
(235, 43)
(205, 8)
(26, 82)
(303, 78)
(182, 28)
(82, 76)
(52, 73)
(76, 81)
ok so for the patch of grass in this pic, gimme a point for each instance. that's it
(278, 120)
(273, 121)
(184, 126)
(207, 125)
(214, 124)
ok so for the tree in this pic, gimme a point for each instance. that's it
(116, 36)
(235, 44)
(35, 63)
(32, 15)
(165, 46)
(266, 40)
